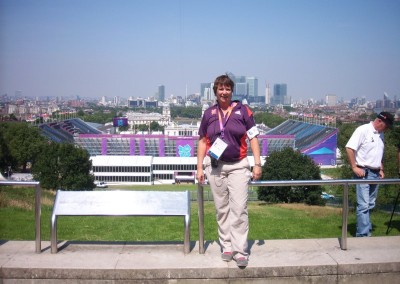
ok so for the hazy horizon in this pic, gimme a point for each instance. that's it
(95, 48)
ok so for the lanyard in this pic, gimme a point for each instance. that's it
(228, 114)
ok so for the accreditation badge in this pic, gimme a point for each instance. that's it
(217, 148)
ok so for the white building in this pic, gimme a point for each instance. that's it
(175, 129)
(145, 170)
(331, 100)
(137, 118)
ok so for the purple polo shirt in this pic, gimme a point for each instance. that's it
(235, 132)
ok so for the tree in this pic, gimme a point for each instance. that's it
(123, 128)
(187, 112)
(290, 164)
(269, 119)
(6, 160)
(142, 127)
(24, 143)
(155, 126)
(64, 166)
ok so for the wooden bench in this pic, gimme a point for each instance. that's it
(121, 203)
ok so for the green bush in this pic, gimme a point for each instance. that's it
(289, 164)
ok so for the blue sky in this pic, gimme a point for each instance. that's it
(95, 48)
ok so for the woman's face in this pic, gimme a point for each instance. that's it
(224, 94)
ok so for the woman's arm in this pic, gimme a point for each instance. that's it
(255, 148)
(201, 153)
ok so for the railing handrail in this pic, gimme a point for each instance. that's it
(345, 204)
(200, 200)
(38, 197)
(323, 182)
(12, 182)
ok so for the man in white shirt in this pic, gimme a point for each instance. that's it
(365, 153)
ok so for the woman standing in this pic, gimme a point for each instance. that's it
(224, 131)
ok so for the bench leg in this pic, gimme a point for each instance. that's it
(53, 237)
(186, 242)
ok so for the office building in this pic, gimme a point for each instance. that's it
(246, 88)
(280, 95)
(252, 88)
(330, 100)
(161, 93)
(267, 94)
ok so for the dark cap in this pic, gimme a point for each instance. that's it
(386, 117)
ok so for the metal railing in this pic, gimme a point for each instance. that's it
(345, 204)
(38, 197)
(200, 200)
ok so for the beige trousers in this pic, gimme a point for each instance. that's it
(229, 186)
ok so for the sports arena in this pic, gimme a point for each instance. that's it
(165, 159)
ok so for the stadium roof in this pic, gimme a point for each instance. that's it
(306, 134)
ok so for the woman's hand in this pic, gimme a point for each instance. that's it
(200, 175)
(256, 172)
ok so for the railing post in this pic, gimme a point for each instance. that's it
(38, 211)
(200, 201)
(345, 213)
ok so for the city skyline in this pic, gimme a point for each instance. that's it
(128, 48)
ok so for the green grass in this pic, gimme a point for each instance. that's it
(278, 221)
(334, 173)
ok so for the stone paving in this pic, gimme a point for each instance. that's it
(367, 260)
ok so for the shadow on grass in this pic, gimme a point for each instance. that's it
(351, 228)
(395, 224)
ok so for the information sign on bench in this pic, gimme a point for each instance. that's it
(121, 203)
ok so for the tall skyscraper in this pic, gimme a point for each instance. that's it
(386, 100)
(246, 87)
(116, 101)
(161, 93)
(208, 94)
(280, 95)
(241, 90)
(252, 87)
(205, 89)
(330, 100)
(267, 94)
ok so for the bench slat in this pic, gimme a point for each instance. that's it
(121, 203)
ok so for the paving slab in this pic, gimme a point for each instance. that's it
(281, 258)
(283, 261)
(367, 255)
